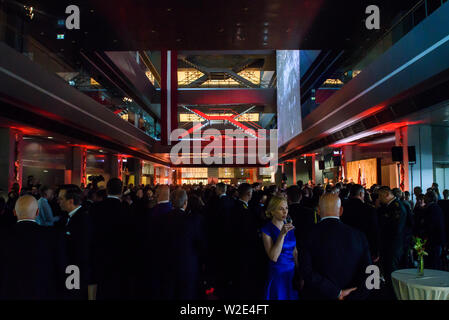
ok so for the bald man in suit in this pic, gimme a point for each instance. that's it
(335, 256)
(33, 262)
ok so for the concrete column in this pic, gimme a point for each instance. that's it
(79, 165)
(136, 120)
(114, 166)
(419, 136)
(138, 171)
(347, 156)
(314, 168)
(10, 158)
(294, 172)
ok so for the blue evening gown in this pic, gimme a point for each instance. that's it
(279, 285)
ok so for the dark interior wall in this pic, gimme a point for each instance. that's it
(44, 154)
(49, 177)
(303, 170)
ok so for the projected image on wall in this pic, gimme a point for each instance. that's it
(288, 95)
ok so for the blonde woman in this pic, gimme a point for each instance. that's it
(280, 245)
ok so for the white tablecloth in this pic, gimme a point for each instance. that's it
(434, 285)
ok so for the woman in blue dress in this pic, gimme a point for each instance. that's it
(280, 245)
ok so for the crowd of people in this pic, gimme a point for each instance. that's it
(244, 242)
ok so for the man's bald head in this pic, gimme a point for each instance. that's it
(26, 207)
(330, 205)
(163, 193)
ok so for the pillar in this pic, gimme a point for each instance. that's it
(294, 172)
(169, 94)
(347, 155)
(79, 155)
(314, 168)
(10, 158)
(419, 136)
(138, 171)
(401, 135)
(113, 166)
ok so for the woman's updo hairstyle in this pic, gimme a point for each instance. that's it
(274, 203)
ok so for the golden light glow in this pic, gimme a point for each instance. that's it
(355, 73)
(333, 81)
(195, 173)
(188, 75)
(226, 172)
(150, 76)
(252, 75)
(93, 82)
(193, 181)
(190, 117)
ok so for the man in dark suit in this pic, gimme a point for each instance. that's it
(148, 234)
(392, 223)
(181, 242)
(79, 239)
(163, 205)
(303, 218)
(444, 205)
(34, 260)
(246, 260)
(434, 231)
(362, 217)
(218, 211)
(335, 256)
(112, 244)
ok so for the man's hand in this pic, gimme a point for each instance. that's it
(345, 292)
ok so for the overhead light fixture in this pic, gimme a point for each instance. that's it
(50, 138)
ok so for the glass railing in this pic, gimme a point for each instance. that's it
(16, 23)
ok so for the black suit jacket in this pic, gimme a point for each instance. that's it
(444, 205)
(218, 212)
(335, 257)
(434, 225)
(79, 245)
(113, 248)
(33, 262)
(303, 219)
(182, 243)
(363, 217)
(246, 259)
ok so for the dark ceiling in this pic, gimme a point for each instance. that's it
(212, 25)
